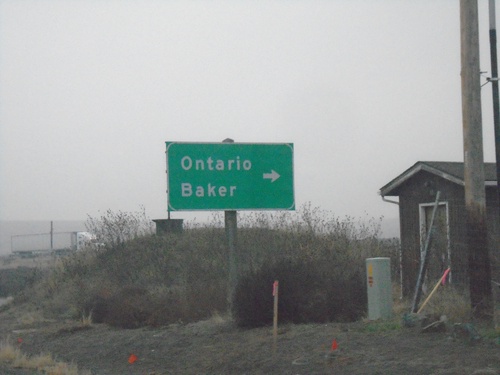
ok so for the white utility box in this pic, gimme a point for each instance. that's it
(378, 283)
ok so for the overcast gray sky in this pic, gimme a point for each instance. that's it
(91, 90)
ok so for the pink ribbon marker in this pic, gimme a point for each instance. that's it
(443, 279)
(275, 286)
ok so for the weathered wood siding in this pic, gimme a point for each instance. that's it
(422, 188)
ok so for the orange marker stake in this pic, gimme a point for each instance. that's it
(132, 358)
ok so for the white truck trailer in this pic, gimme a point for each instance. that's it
(55, 243)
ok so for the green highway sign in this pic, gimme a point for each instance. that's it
(230, 176)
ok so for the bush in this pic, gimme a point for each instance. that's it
(130, 307)
(14, 280)
(152, 280)
(319, 261)
(308, 292)
(144, 279)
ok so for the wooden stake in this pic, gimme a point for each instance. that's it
(275, 315)
(434, 290)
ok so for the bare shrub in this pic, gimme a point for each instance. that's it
(114, 228)
(139, 278)
(14, 280)
(319, 260)
(309, 292)
(128, 308)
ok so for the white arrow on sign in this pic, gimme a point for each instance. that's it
(273, 176)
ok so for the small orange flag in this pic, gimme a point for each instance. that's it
(132, 358)
(334, 345)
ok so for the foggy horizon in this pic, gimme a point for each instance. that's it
(91, 91)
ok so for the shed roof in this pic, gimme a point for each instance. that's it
(451, 171)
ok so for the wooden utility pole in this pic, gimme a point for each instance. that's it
(494, 89)
(475, 195)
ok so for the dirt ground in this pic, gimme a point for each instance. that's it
(215, 346)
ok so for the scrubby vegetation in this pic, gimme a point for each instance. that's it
(42, 363)
(13, 280)
(137, 278)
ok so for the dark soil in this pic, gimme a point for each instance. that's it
(217, 347)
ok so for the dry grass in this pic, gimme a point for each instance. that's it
(400, 305)
(87, 319)
(44, 363)
(449, 301)
(8, 353)
(218, 318)
(61, 368)
(29, 318)
(453, 303)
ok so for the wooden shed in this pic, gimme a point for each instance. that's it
(417, 188)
